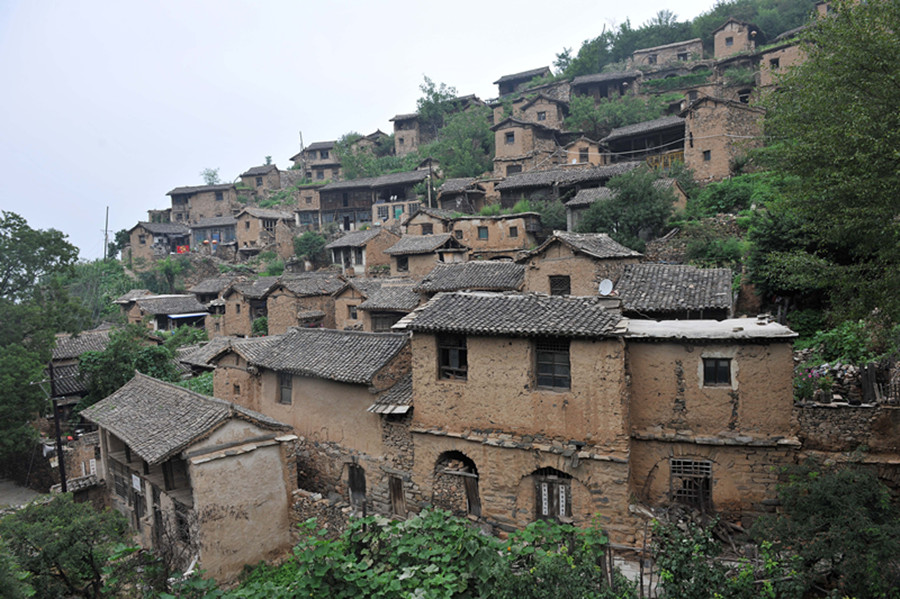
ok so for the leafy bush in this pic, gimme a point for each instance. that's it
(202, 383)
(182, 336)
(260, 327)
(698, 77)
(716, 252)
(734, 194)
(855, 342)
(490, 210)
(806, 322)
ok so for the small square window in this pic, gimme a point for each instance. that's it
(683, 56)
(651, 59)
(729, 41)
(552, 364)
(560, 285)
(427, 229)
(220, 196)
(351, 312)
(514, 231)
(402, 263)
(236, 389)
(510, 137)
(583, 155)
(259, 181)
(143, 238)
(452, 357)
(458, 234)
(320, 175)
(512, 169)
(707, 155)
(285, 387)
(402, 141)
(774, 64)
(542, 116)
(237, 308)
(323, 154)
(482, 232)
(716, 371)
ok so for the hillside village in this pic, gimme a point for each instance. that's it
(452, 350)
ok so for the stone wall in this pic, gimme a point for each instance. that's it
(717, 132)
(841, 427)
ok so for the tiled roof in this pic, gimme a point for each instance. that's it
(524, 75)
(674, 287)
(260, 170)
(67, 380)
(437, 213)
(354, 238)
(586, 197)
(158, 420)
(200, 188)
(344, 356)
(666, 122)
(73, 485)
(418, 244)
(596, 245)
(212, 285)
(693, 41)
(457, 185)
(267, 213)
(405, 117)
(520, 123)
(396, 400)
(320, 145)
(163, 228)
(72, 346)
(566, 176)
(214, 221)
(310, 284)
(601, 77)
(170, 304)
(132, 295)
(363, 285)
(200, 355)
(255, 289)
(394, 295)
(406, 178)
(487, 275)
(254, 348)
(513, 314)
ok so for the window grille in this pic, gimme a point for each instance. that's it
(716, 371)
(452, 357)
(560, 285)
(690, 482)
(552, 363)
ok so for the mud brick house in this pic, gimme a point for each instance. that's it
(675, 292)
(385, 305)
(318, 162)
(605, 85)
(718, 131)
(245, 301)
(323, 382)
(510, 84)
(263, 228)
(126, 301)
(685, 51)
(348, 298)
(584, 151)
(406, 133)
(349, 203)
(390, 213)
(208, 235)
(209, 293)
(661, 138)
(262, 178)
(558, 184)
(463, 194)
(63, 371)
(166, 312)
(302, 300)
(497, 237)
(153, 241)
(786, 53)
(416, 255)
(734, 37)
(575, 263)
(192, 203)
(197, 357)
(544, 110)
(427, 221)
(475, 275)
(177, 463)
(522, 146)
(360, 253)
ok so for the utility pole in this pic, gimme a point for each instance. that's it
(105, 245)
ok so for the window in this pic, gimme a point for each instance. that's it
(692, 96)
(510, 137)
(357, 483)
(285, 387)
(744, 95)
(690, 482)
(729, 41)
(351, 312)
(182, 523)
(482, 232)
(246, 225)
(382, 323)
(774, 64)
(220, 196)
(383, 212)
(583, 154)
(237, 308)
(143, 238)
(402, 141)
(560, 285)
(413, 208)
(552, 363)
(542, 116)
(512, 169)
(236, 389)
(345, 199)
(358, 257)
(269, 224)
(651, 59)
(707, 155)
(553, 495)
(716, 371)
(323, 154)
(259, 181)
(427, 229)
(514, 231)
(683, 56)
(402, 263)
(458, 233)
(309, 200)
(452, 357)
(320, 174)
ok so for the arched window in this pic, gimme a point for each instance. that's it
(456, 484)
(552, 495)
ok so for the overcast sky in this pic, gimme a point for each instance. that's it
(115, 103)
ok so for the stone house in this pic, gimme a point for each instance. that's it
(544, 110)
(192, 203)
(323, 382)
(521, 146)
(406, 133)
(416, 255)
(575, 263)
(177, 462)
(263, 228)
(167, 312)
(348, 298)
(558, 184)
(717, 132)
(245, 301)
(303, 300)
(685, 51)
(150, 242)
(427, 221)
(464, 194)
(387, 304)
(64, 372)
(734, 37)
(475, 275)
(349, 203)
(510, 84)
(787, 52)
(209, 293)
(126, 300)
(675, 292)
(361, 253)
(497, 237)
(661, 139)
(390, 213)
(318, 162)
(605, 85)
(262, 178)
(208, 235)
(584, 151)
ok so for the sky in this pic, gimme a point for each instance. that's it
(113, 104)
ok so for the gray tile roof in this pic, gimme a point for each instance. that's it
(320, 145)
(421, 244)
(406, 178)
(170, 304)
(513, 315)
(673, 288)
(344, 356)
(214, 221)
(666, 122)
(200, 355)
(457, 185)
(596, 245)
(72, 346)
(255, 289)
(67, 380)
(354, 238)
(254, 348)
(267, 213)
(163, 228)
(259, 170)
(524, 75)
(310, 284)
(601, 77)
(566, 176)
(586, 197)
(394, 295)
(132, 295)
(158, 420)
(481, 275)
(521, 123)
(364, 285)
(213, 285)
(405, 117)
(200, 188)
(396, 400)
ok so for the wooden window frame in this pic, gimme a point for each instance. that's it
(552, 364)
(690, 482)
(285, 387)
(560, 284)
(453, 357)
(716, 372)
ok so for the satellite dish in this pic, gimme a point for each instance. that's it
(606, 287)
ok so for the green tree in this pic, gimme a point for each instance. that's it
(835, 127)
(436, 103)
(210, 176)
(465, 144)
(120, 240)
(310, 246)
(170, 268)
(596, 120)
(637, 210)
(13, 580)
(94, 285)
(64, 545)
(28, 255)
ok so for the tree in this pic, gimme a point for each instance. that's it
(64, 545)
(120, 240)
(596, 120)
(210, 176)
(268, 160)
(95, 285)
(311, 247)
(436, 103)
(28, 255)
(834, 125)
(170, 269)
(637, 210)
(465, 145)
